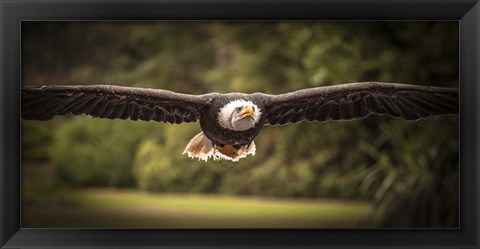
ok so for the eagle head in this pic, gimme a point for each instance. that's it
(239, 115)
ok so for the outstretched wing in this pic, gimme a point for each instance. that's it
(112, 102)
(359, 100)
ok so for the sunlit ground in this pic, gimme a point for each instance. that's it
(45, 205)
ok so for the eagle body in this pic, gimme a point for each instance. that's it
(222, 136)
(230, 121)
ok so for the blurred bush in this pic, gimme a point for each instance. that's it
(415, 177)
(160, 166)
(89, 152)
(37, 138)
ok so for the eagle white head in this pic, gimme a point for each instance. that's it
(239, 115)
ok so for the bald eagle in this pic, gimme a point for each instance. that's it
(231, 121)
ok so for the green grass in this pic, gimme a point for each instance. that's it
(48, 205)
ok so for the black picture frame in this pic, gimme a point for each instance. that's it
(466, 12)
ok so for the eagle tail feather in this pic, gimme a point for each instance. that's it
(202, 148)
(199, 147)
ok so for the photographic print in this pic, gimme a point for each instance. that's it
(225, 124)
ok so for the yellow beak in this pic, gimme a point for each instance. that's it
(247, 112)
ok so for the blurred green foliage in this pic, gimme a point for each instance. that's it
(37, 137)
(89, 152)
(415, 173)
(410, 169)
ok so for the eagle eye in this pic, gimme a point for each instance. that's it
(238, 109)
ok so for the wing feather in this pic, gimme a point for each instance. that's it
(112, 102)
(359, 100)
(119, 108)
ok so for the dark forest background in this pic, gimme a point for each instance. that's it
(407, 170)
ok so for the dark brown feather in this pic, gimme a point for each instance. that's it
(358, 100)
(112, 102)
